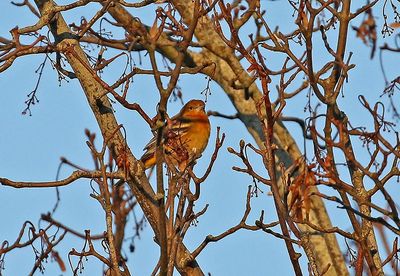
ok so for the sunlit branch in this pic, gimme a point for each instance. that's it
(73, 177)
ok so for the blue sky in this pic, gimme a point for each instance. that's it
(31, 147)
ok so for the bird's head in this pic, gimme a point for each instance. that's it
(193, 108)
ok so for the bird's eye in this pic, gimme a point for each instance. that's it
(191, 108)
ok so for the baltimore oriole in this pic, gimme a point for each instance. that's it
(185, 137)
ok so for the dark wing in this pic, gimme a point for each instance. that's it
(179, 126)
(176, 127)
(150, 149)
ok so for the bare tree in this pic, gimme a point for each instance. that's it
(262, 69)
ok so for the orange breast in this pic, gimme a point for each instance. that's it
(197, 138)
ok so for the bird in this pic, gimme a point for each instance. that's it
(184, 139)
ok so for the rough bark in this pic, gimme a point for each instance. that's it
(68, 44)
(228, 69)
